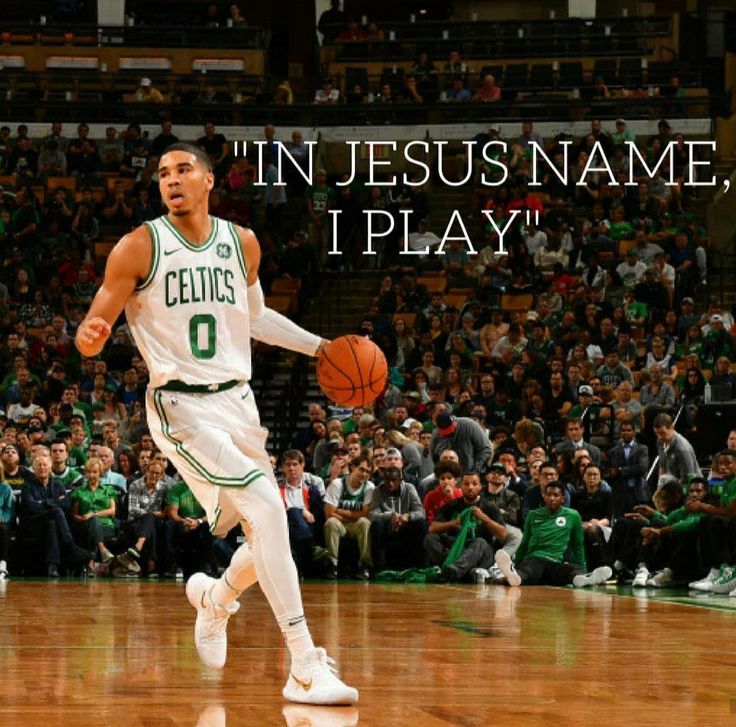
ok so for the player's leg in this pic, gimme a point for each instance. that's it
(312, 678)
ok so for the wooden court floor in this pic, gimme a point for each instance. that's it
(121, 653)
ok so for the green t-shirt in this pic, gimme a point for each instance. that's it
(70, 477)
(550, 536)
(728, 492)
(181, 496)
(322, 198)
(95, 501)
(636, 310)
(77, 457)
(621, 230)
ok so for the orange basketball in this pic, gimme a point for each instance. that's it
(352, 371)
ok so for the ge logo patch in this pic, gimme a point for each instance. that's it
(224, 250)
(561, 521)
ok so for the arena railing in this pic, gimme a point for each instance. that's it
(566, 37)
(137, 36)
(543, 106)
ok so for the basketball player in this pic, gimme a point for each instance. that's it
(189, 285)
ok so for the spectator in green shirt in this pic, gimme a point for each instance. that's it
(93, 509)
(187, 530)
(549, 532)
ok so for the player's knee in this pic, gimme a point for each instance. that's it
(363, 524)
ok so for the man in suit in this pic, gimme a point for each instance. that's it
(574, 434)
(628, 465)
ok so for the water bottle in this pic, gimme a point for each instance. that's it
(707, 393)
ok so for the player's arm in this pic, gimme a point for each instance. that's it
(127, 265)
(266, 325)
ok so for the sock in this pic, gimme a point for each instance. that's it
(239, 576)
(259, 503)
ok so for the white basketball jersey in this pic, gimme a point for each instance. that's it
(189, 317)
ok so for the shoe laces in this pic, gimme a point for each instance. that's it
(322, 659)
(215, 622)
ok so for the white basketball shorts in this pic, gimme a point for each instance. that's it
(215, 441)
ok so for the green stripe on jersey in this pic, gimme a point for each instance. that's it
(212, 478)
(185, 242)
(155, 256)
(238, 250)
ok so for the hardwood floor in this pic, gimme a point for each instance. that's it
(121, 653)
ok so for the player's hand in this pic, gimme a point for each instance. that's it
(322, 344)
(308, 516)
(92, 335)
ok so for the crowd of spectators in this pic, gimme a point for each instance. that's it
(551, 377)
(579, 382)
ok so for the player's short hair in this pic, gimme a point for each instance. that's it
(196, 151)
(555, 484)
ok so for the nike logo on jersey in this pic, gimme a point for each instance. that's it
(306, 686)
(171, 252)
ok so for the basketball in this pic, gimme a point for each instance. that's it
(352, 371)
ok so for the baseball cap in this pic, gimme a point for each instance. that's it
(412, 395)
(620, 121)
(408, 422)
(497, 467)
(337, 447)
(145, 81)
(585, 390)
(98, 405)
(688, 299)
(716, 318)
(444, 424)
(393, 452)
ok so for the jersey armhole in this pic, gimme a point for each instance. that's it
(238, 251)
(155, 254)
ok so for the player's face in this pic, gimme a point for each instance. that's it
(184, 182)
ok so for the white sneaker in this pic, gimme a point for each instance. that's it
(706, 584)
(480, 575)
(506, 566)
(733, 593)
(594, 578)
(641, 577)
(309, 715)
(661, 579)
(316, 682)
(3, 575)
(210, 628)
(494, 574)
(726, 581)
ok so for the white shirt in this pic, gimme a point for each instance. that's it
(424, 240)
(536, 241)
(294, 496)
